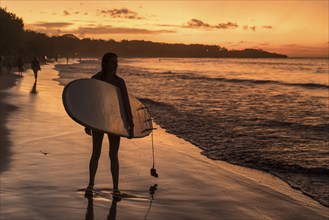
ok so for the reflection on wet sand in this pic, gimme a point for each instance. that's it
(113, 210)
(90, 208)
(90, 215)
(34, 88)
(152, 192)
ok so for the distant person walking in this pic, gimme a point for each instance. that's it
(20, 64)
(108, 74)
(35, 66)
(8, 63)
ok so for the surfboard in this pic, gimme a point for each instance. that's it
(96, 104)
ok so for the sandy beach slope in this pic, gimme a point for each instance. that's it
(44, 168)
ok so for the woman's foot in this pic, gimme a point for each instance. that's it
(89, 191)
(116, 194)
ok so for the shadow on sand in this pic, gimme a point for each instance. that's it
(113, 209)
(5, 143)
(6, 81)
(34, 88)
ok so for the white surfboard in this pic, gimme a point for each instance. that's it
(99, 105)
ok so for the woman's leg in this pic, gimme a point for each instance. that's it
(35, 74)
(93, 164)
(113, 154)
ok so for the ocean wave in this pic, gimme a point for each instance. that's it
(261, 82)
(193, 76)
(288, 153)
(294, 125)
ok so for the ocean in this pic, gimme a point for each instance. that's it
(268, 114)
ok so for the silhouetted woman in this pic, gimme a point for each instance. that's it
(108, 74)
(35, 66)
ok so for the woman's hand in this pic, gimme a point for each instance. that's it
(88, 130)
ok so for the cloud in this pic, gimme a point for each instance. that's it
(59, 28)
(85, 21)
(108, 29)
(246, 27)
(68, 12)
(166, 25)
(120, 13)
(196, 23)
(253, 28)
(228, 25)
(49, 28)
(49, 25)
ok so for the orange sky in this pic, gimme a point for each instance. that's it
(295, 28)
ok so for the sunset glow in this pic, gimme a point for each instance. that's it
(295, 28)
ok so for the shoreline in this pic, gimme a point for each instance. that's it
(291, 176)
(44, 179)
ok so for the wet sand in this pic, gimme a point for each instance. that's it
(46, 169)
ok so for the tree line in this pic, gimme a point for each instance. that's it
(14, 40)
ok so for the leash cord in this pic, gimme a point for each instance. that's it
(153, 148)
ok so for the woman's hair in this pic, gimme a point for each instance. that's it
(105, 60)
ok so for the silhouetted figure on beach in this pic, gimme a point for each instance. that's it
(20, 64)
(8, 63)
(108, 74)
(35, 66)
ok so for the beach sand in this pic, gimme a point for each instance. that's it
(44, 169)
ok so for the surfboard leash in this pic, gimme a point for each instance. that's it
(153, 170)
